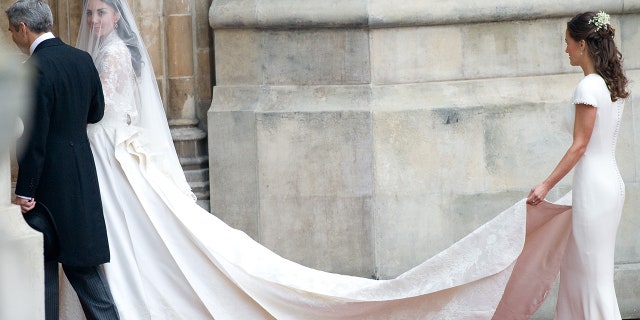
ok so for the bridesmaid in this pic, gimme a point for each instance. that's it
(586, 277)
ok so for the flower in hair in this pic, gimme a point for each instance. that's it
(600, 20)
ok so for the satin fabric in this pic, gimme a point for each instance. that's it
(173, 260)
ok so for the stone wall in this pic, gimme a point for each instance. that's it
(21, 257)
(362, 137)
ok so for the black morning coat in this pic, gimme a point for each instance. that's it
(56, 166)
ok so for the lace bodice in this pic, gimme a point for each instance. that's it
(134, 114)
(113, 61)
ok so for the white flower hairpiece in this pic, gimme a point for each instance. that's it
(600, 20)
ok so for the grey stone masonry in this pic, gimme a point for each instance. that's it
(363, 137)
(21, 256)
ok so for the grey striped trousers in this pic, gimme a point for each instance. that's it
(90, 285)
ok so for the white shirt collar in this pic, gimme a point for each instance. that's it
(42, 37)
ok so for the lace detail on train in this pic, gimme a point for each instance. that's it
(173, 260)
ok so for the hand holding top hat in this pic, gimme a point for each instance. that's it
(39, 218)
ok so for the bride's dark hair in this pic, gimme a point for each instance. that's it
(602, 49)
(125, 32)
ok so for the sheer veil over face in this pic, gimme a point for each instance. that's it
(101, 17)
(131, 91)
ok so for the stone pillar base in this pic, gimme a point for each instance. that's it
(21, 267)
(191, 146)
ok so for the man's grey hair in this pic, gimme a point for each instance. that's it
(35, 14)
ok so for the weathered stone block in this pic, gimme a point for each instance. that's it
(21, 255)
(312, 57)
(232, 13)
(306, 58)
(385, 13)
(21, 264)
(407, 55)
(179, 46)
(516, 48)
(238, 57)
(233, 176)
(627, 148)
(177, 7)
(149, 7)
(631, 5)
(628, 239)
(203, 31)
(316, 13)
(627, 278)
(287, 13)
(181, 102)
(421, 219)
(429, 151)
(203, 78)
(71, 21)
(150, 31)
(315, 174)
(629, 33)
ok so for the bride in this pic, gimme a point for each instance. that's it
(173, 260)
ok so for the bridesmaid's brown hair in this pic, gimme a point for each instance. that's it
(602, 49)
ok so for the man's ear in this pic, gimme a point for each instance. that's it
(22, 27)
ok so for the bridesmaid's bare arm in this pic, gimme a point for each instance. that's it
(582, 129)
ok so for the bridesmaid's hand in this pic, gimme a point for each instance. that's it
(537, 194)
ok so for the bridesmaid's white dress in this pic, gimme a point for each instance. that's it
(586, 278)
(173, 260)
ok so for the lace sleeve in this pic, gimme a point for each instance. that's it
(118, 79)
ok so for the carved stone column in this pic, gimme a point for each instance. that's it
(181, 96)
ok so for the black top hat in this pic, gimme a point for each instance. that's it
(40, 219)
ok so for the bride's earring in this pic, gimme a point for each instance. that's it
(115, 26)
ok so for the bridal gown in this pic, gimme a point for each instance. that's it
(170, 259)
(586, 278)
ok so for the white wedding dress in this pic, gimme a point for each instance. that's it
(173, 260)
(170, 259)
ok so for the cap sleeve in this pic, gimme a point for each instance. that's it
(586, 93)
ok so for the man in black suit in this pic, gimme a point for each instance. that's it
(56, 167)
